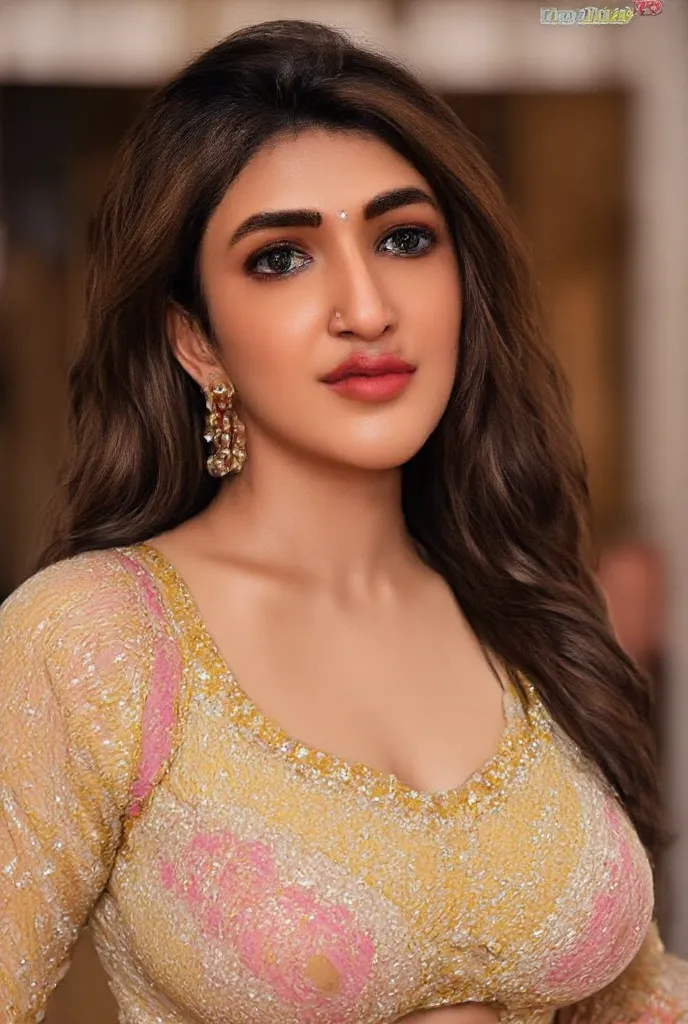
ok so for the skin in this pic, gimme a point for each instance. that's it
(369, 656)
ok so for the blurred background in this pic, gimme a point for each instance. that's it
(587, 128)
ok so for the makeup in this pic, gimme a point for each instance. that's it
(379, 388)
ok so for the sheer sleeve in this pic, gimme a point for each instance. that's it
(652, 990)
(74, 651)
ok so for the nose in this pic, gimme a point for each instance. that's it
(360, 307)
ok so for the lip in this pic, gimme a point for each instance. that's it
(377, 387)
(361, 365)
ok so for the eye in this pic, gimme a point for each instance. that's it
(277, 258)
(408, 241)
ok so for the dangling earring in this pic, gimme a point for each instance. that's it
(224, 430)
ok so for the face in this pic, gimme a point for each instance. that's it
(328, 245)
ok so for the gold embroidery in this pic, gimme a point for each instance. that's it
(524, 733)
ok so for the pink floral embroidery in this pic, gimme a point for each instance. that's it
(158, 720)
(220, 874)
(607, 929)
(309, 954)
(288, 931)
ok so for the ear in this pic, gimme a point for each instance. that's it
(190, 345)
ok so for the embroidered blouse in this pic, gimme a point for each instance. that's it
(230, 873)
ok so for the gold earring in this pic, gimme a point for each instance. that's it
(224, 430)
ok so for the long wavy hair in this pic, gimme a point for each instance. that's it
(497, 497)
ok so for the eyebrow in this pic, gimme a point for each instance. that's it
(382, 203)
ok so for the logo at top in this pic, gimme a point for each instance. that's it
(599, 15)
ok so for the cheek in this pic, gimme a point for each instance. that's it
(426, 294)
(271, 380)
(432, 313)
(266, 339)
(442, 306)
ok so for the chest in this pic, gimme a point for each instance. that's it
(258, 884)
(404, 688)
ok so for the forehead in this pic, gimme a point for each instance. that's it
(319, 169)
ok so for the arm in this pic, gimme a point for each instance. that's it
(652, 990)
(73, 667)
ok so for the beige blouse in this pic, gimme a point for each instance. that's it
(230, 873)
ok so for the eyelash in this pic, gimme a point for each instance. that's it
(253, 261)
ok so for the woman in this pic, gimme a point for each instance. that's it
(321, 719)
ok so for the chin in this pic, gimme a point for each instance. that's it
(377, 456)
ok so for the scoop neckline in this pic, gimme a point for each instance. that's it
(482, 789)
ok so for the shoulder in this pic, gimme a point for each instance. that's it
(77, 628)
(93, 590)
(79, 646)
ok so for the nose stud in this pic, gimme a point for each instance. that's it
(337, 315)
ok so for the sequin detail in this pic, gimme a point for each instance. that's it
(160, 713)
(316, 957)
(264, 882)
(608, 905)
(480, 793)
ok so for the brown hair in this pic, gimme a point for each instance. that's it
(497, 496)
